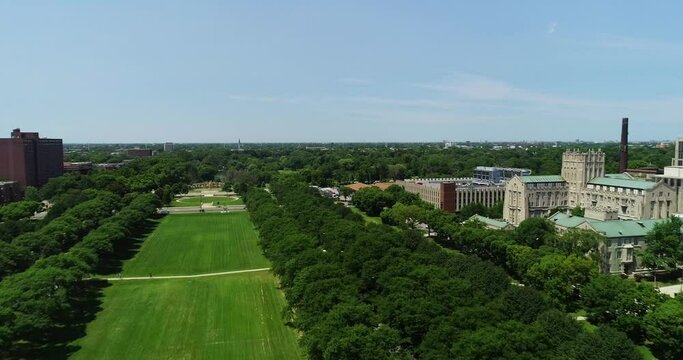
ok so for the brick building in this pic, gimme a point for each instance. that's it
(30, 160)
(9, 191)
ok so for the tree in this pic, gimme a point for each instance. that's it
(620, 303)
(664, 246)
(372, 200)
(19, 210)
(578, 211)
(32, 194)
(605, 343)
(534, 232)
(664, 328)
(345, 191)
(561, 277)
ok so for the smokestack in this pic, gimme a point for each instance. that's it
(623, 151)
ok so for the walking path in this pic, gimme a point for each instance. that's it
(182, 276)
(671, 290)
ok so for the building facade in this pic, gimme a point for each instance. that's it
(623, 239)
(488, 175)
(9, 191)
(578, 168)
(30, 160)
(630, 199)
(168, 147)
(533, 196)
(452, 194)
(139, 152)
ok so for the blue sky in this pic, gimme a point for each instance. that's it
(308, 71)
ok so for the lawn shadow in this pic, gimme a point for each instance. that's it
(57, 343)
(128, 248)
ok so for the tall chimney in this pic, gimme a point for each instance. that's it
(623, 151)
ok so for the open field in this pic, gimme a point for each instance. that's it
(226, 317)
(368, 219)
(215, 200)
(191, 244)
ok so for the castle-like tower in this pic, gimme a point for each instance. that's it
(578, 168)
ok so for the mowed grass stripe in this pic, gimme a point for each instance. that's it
(235, 317)
(188, 244)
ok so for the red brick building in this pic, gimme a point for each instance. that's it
(30, 160)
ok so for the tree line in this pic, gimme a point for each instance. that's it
(380, 292)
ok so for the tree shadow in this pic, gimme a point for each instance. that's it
(127, 248)
(58, 343)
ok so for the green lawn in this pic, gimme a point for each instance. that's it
(225, 317)
(368, 219)
(187, 244)
(215, 200)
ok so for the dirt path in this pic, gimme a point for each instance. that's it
(182, 276)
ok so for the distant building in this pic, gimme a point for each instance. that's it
(487, 175)
(83, 167)
(9, 191)
(168, 147)
(30, 160)
(533, 196)
(584, 184)
(452, 194)
(625, 238)
(137, 152)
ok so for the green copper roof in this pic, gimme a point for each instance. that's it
(488, 221)
(622, 183)
(567, 221)
(625, 228)
(608, 228)
(542, 179)
(623, 176)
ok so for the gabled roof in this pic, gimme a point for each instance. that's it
(488, 221)
(623, 183)
(542, 179)
(567, 221)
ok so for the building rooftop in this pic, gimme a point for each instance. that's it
(624, 228)
(624, 183)
(622, 176)
(565, 220)
(488, 221)
(608, 228)
(542, 179)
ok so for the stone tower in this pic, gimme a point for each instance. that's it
(578, 168)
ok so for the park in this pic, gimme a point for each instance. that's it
(199, 287)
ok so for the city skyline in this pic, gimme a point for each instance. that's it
(356, 71)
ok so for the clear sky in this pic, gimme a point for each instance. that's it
(309, 71)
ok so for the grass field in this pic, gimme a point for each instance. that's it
(190, 244)
(368, 219)
(235, 316)
(215, 200)
(226, 317)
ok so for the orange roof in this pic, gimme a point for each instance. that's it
(357, 186)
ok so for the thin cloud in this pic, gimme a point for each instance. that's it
(552, 27)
